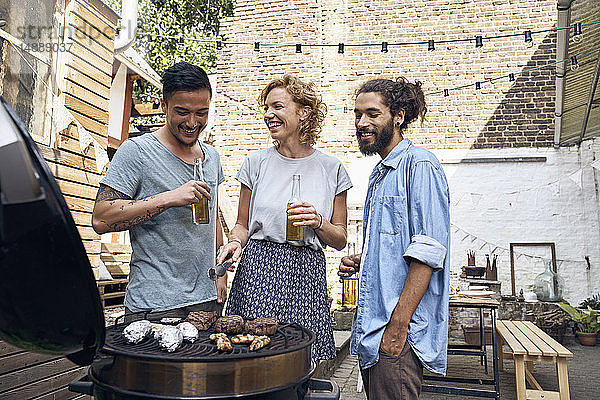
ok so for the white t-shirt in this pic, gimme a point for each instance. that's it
(268, 175)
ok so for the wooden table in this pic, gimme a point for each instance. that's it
(481, 304)
(527, 344)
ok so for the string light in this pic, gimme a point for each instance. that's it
(431, 45)
(511, 76)
(574, 63)
(478, 41)
(256, 46)
(446, 93)
(577, 36)
(219, 45)
(298, 48)
(341, 48)
(528, 34)
(528, 38)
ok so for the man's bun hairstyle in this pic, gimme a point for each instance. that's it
(399, 95)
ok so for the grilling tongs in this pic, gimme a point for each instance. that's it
(220, 269)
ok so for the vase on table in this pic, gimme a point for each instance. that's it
(548, 286)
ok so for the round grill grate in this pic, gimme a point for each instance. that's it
(288, 338)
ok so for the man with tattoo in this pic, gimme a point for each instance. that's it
(148, 190)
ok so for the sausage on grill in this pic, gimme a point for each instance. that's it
(262, 326)
(232, 324)
(259, 342)
(215, 336)
(242, 339)
(223, 344)
(202, 320)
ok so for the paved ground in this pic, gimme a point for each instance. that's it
(584, 375)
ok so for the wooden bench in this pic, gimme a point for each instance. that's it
(527, 344)
(115, 257)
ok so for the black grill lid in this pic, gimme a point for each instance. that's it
(49, 302)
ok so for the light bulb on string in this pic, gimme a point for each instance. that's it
(219, 45)
(477, 85)
(528, 38)
(446, 93)
(577, 36)
(574, 64)
(384, 47)
(341, 48)
(256, 46)
(478, 41)
(511, 77)
(298, 48)
(430, 45)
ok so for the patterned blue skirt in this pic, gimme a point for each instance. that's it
(287, 282)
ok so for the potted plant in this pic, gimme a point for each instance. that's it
(587, 321)
(593, 302)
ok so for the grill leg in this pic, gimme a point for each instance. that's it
(301, 390)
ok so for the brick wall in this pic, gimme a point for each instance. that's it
(504, 114)
(500, 115)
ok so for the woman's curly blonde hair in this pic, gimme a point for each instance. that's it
(305, 95)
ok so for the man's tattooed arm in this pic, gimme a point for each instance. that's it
(108, 193)
(115, 211)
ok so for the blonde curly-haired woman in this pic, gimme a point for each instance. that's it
(275, 277)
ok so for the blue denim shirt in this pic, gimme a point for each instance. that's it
(407, 208)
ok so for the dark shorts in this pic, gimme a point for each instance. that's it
(181, 312)
(394, 378)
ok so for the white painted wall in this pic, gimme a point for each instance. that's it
(494, 204)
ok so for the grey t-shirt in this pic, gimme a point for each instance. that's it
(171, 255)
(268, 175)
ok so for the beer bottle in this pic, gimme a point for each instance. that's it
(294, 233)
(350, 284)
(199, 209)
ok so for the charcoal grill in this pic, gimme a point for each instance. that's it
(281, 370)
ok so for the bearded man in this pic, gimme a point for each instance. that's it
(148, 190)
(401, 321)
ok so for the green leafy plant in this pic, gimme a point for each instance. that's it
(592, 302)
(587, 320)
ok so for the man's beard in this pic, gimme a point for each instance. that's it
(382, 139)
